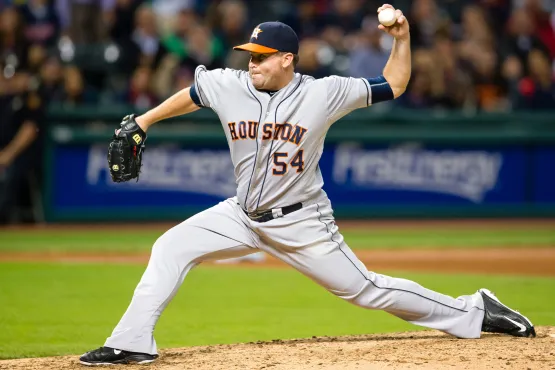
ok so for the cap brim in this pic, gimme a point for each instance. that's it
(255, 48)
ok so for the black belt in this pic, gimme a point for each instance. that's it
(270, 214)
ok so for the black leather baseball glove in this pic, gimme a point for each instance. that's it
(126, 150)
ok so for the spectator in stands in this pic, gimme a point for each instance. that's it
(176, 42)
(149, 50)
(186, 20)
(476, 28)
(203, 48)
(36, 55)
(231, 28)
(489, 87)
(41, 22)
(199, 47)
(13, 44)
(368, 55)
(231, 23)
(485, 45)
(51, 79)
(521, 38)
(512, 72)
(86, 21)
(304, 18)
(124, 20)
(497, 12)
(75, 90)
(184, 78)
(309, 60)
(22, 112)
(166, 13)
(451, 83)
(140, 94)
(419, 91)
(426, 19)
(537, 89)
(478, 56)
(340, 23)
(346, 15)
(341, 20)
(539, 12)
(167, 76)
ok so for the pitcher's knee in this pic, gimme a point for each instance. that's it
(171, 250)
(179, 247)
(356, 294)
(162, 245)
(171, 242)
(358, 300)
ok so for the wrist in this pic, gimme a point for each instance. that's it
(403, 38)
(142, 122)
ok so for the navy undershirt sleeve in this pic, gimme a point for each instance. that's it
(381, 91)
(194, 96)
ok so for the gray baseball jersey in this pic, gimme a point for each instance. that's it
(275, 143)
(276, 140)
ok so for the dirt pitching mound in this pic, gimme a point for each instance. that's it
(411, 350)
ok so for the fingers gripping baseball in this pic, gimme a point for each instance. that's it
(393, 21)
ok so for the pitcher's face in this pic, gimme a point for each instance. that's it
(266, 70)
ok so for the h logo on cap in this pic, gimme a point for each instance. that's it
(255, 33)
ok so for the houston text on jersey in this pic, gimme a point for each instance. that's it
(271, 131)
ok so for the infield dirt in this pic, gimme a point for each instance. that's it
(412, 350)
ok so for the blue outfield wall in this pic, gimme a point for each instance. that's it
(423, 174)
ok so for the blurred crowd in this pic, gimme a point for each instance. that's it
(491, 55)
(480, 55)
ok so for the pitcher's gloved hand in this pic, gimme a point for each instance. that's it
(126, 150)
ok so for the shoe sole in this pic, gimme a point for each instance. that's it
(123, 362)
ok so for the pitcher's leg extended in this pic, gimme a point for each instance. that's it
(403, 298)
(314, 246)
(213, 234)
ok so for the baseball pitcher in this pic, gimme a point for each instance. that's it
(275, 122)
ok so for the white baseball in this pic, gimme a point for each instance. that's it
(387, 17)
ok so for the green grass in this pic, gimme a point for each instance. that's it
(55, 309)
(142, 240)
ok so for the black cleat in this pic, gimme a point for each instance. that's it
(499, 318)
(112, 356)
